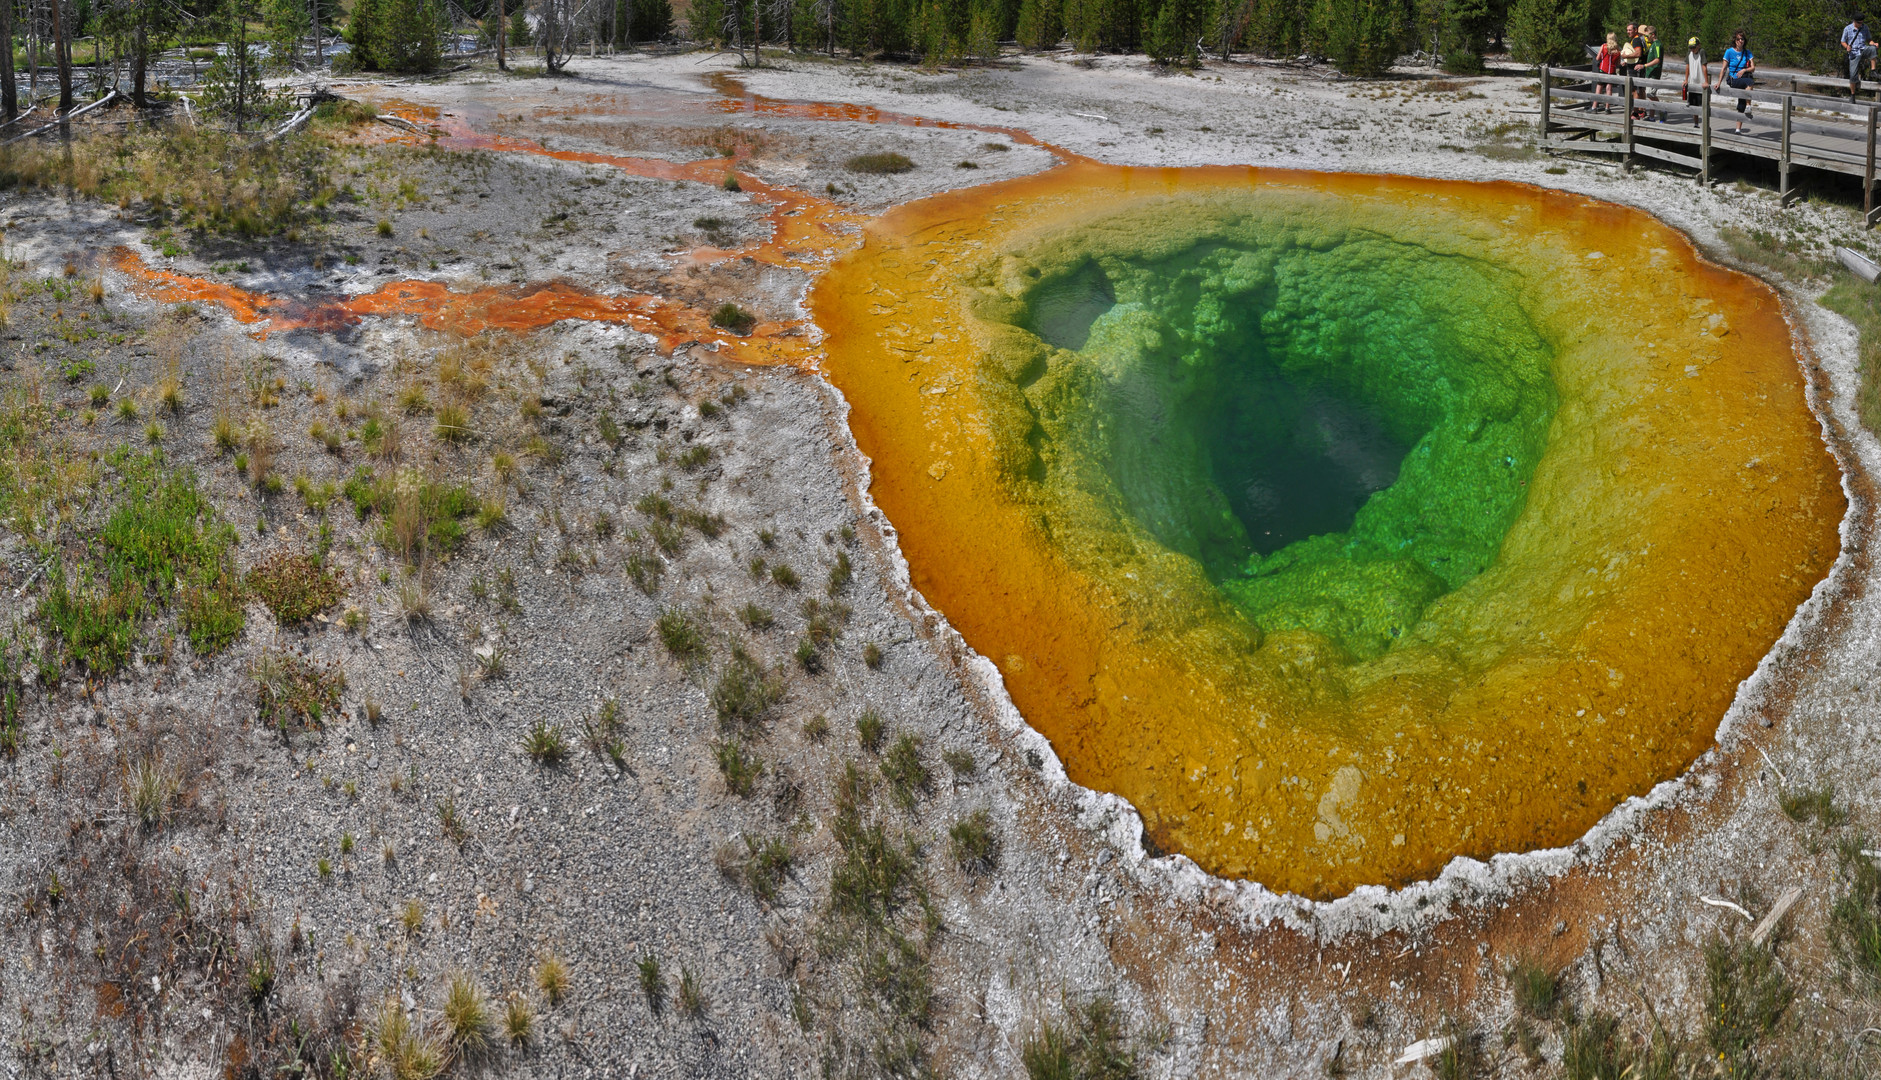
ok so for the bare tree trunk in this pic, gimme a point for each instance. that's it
(140, 59)
(62, 56)
(502, 27)
(320, 42)
(9, 88)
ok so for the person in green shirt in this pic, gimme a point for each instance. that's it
(1651, 66)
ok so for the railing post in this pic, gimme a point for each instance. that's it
(1626, 125)
(1704, 136)
(1783, 157)
(1545, 94)
(1867, 176)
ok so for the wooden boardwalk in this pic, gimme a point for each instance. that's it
(1795, 127)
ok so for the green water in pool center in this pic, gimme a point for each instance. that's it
(1339, 434)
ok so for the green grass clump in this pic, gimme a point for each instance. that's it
(974, 843)
(682, 635)
(1860, 303)
(879, 164)
(161, 534)
(1812, 804)
(652, 983)
(745, 692)
(738, 766)
(544, 744)
(1090, 1044)
(1855, 918)
(467, 1013)
(1746, 993)
(870, 727)
(729, 316)
(908, 777)
(766, 865)
(1537, 989)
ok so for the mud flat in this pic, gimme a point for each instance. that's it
(608, 656)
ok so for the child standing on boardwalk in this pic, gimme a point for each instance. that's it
(1697, 72)
(1605, 62)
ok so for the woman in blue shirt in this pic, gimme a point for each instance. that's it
(1739, 66)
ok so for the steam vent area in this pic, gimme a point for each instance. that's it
(659, 561)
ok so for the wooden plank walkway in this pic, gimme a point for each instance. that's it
(1793, 127)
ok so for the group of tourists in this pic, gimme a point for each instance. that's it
(1638, 53)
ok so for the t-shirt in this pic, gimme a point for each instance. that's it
(1735, 61)
(1651, 58)
(1855, 37)
(1695, 65)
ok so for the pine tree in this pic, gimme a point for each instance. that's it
(1363, 37)
(519, 32)
(1547, 31)
(1175, 32)
(705, 22)
(1462, 34)
(652, 20)
(1041, 24)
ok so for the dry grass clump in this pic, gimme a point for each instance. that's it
(881, 164)
(552, 977)
(467, 1012)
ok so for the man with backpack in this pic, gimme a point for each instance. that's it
(1859, 46)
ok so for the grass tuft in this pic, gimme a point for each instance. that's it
(1090, 1043)
(467, 1012)
(682, 635)
(552, 977)
(545, 745)
(974, 843)
(883, 164)
(652, 983)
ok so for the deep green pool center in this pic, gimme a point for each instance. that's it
(1339, 430)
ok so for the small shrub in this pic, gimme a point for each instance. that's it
(295, 586)
(883, 164)
(730, 182)
(974, 843)
(870, 728)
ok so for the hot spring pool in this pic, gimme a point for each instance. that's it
(1341, 524)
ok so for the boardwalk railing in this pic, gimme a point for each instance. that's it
(1793, 128)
